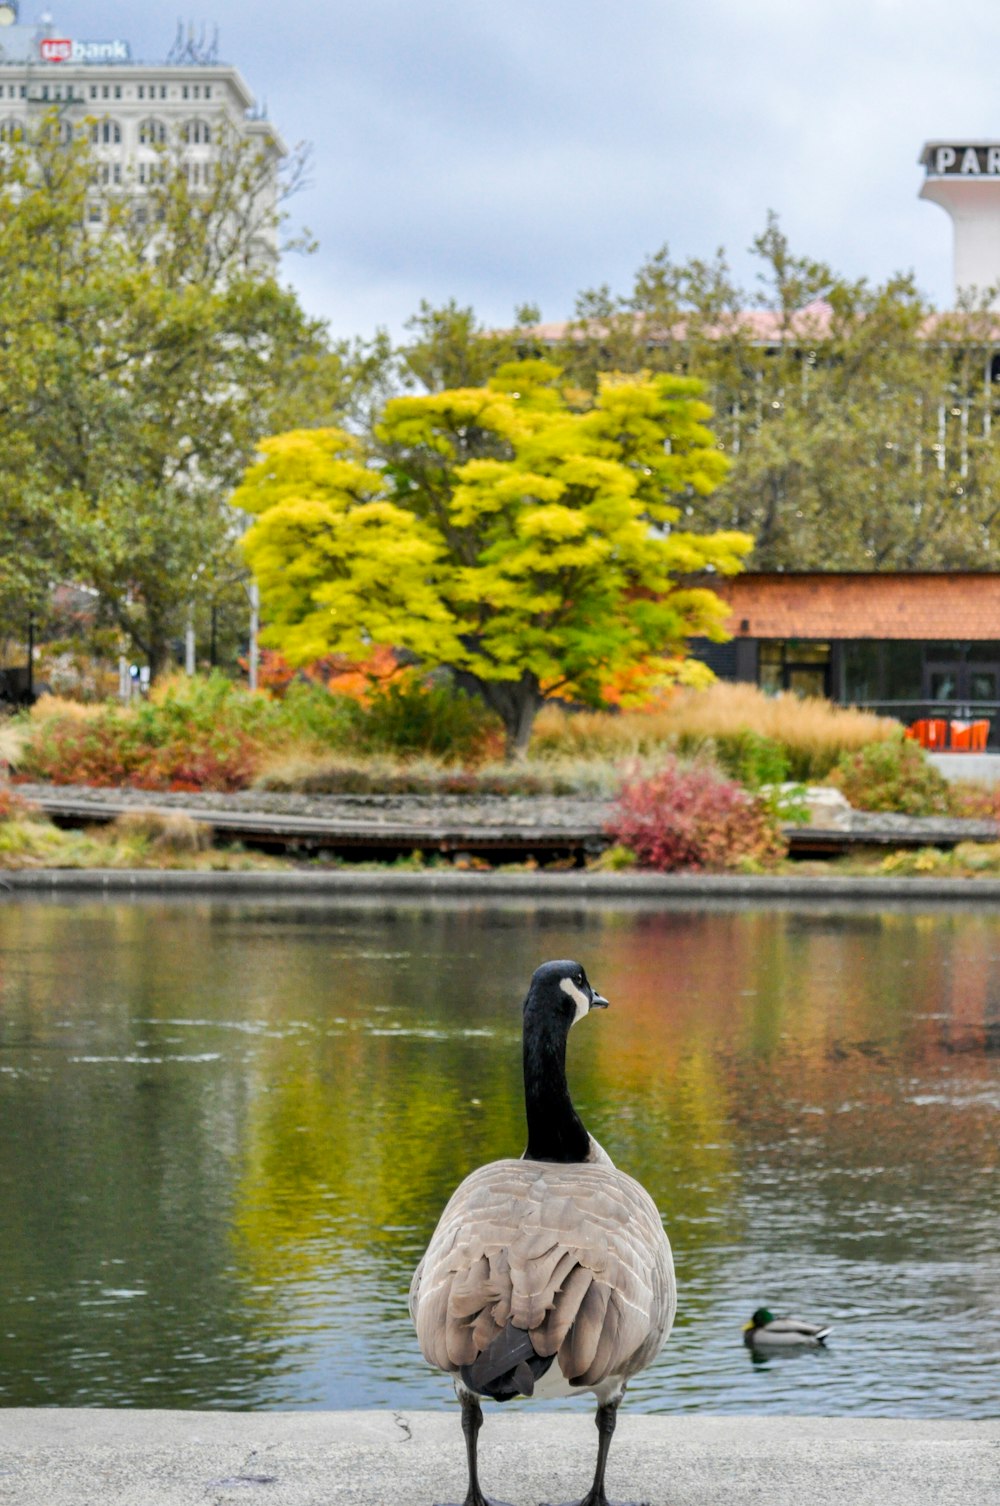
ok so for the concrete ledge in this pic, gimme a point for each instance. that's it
(479, 885)
(137, 1458)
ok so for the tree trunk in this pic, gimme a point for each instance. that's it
(159, 653)
(516, 703)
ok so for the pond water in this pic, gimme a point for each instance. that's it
(227, 1130)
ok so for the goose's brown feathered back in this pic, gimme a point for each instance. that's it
(575, 1254)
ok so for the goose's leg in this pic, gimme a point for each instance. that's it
(607, 1416)
(472, 1421)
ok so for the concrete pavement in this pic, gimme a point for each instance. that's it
(139, 1458)
(363, 885)
(980, 768)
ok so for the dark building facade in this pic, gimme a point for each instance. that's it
(910, 646)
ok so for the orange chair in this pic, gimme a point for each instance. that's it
(930, 732)
(969, 737)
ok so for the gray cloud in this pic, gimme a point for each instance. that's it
(500, 154)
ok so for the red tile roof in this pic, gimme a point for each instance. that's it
(958, 605)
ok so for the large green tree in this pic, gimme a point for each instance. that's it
(146, 345)
(860, 422)
(525, 540)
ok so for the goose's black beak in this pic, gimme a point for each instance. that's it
(598, 1001)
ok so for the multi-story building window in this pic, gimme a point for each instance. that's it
(129, 109)
(152, 132)
(106, 133)
(196, 133)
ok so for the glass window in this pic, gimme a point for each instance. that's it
(982, 685)
(942, 650)
(903, 671)
(984, 653)
(807, 651)
(806, 679)
(771, 658)
(863, 671)
(944, 685)
(795, 664)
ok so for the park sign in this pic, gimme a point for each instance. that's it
(64, 50)
(956, 159)
(963, 177)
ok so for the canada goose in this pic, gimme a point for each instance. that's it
(548, 1275)
(764, 1331)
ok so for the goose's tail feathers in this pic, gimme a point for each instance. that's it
(506, 1368)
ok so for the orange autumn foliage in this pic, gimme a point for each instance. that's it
(340, 675)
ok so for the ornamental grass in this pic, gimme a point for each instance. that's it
(809, 734)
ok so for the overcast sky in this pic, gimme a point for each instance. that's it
(502, 153)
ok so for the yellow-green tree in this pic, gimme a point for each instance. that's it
(523, 535)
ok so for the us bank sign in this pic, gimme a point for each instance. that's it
(946, 159)
(62, 50)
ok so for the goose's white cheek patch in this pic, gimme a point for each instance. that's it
(577, 995)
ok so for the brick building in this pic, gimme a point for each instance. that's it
(909, 645)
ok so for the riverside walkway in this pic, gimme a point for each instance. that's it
(140, 1458)
(497, 827)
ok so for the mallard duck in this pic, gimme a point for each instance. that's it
(549, 1275)
(764, 1331)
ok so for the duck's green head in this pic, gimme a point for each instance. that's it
(761, 1318)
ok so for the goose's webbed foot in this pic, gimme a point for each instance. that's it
(476, 1498)
(590, 1499)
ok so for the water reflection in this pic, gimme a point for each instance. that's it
(228, 1128)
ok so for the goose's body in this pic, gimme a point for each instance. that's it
(767, 1332)
(549, 1275)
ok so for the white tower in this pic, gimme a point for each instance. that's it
(964, 178)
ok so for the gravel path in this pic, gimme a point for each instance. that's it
(570, 813)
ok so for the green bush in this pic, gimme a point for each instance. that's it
(432, 719)
(308, 712)
(892, 776)
(750, 758)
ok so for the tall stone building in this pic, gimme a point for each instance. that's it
(134, 110)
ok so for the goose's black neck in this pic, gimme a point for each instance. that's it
(555, 1130)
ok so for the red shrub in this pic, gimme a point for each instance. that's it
(143, 750)
(693, 818)
(13, 806)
